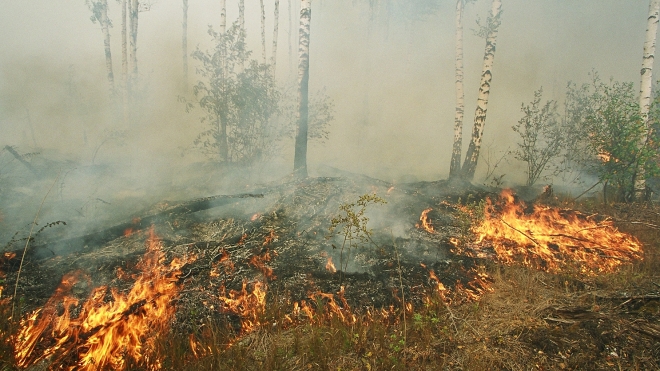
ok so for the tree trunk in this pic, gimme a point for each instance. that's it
(124, 61)
(223, 146)
(472, 155)
(290, 37)
(300, 158)
(241, 14)
(646, 85)
(184, 45)
(134, 32)
(276, 20)
(223, 16)
(263, 32)
(455, 165)
(105, 24)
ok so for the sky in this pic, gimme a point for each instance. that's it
(388, 66)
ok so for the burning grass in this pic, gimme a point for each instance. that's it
(235, 313)
(550, 238)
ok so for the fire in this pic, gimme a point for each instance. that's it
(389, 190)
(249, 306)
(270, 238)
(255, 217)
(425, 221)
(330, 266)
(225, 262)
(259, 262)
(104, 334)
(551, 239)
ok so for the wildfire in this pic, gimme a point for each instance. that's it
(259, 262)
(104, 333)
(330, 266)
(425, 221)
(249, 306)
(551, 239)
(270, 238)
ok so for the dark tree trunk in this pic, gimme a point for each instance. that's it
(300, 158)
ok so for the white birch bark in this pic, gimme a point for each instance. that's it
(276, 20)
(646, 84)
(300, 158)
(472, 155)
(223, 16)
(134, 32)
(124, 60)
(184, 44)
(263, 32)
(241, 14)
(290, 38)
(455, 165)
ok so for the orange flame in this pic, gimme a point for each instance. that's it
(249, 306)
(270, 238)
(104, 333)
(551, 239)
(330, 266)
(255, 217)
(425, 221)
(259, 262)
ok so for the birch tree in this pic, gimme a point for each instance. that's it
(99, 10)
(133, 26)
(124, 60)
(646, 85)
(184, 44)
(300, 157)
(455, 165)
(490, 31)
(263, 31)
(276, 20)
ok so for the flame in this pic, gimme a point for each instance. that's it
(249, 306)
(330, 266)
(270, 238)
(551, 239)
(128, 232)
(389, 190)
(104, 333)
(225, 262)
(259, 262)
(255, 217)
(425, 221)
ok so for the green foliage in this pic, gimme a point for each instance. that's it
(321, 114)
(607, 135)
(351, 223)
(239, 97)
(541, 137)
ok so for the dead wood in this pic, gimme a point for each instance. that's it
(98, 238)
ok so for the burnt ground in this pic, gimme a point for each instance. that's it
(531, 320)
(297, 217)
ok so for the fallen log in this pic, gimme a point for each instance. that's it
(100, 237)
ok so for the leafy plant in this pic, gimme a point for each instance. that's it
(239, 97)
(351, 223)
(541, 137)
(607, 135)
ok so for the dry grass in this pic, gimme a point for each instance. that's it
(531, 321)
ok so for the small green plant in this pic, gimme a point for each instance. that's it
(351, 224)
(541, 136)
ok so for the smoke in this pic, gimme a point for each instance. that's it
(388, 66)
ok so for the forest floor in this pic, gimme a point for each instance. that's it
(256, 289)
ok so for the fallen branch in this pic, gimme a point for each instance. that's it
(519, 231)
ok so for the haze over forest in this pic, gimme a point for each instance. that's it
(387, 65)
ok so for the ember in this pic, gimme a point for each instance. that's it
(104, 333)
(551, 239)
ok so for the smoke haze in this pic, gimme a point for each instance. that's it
(388, 65)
